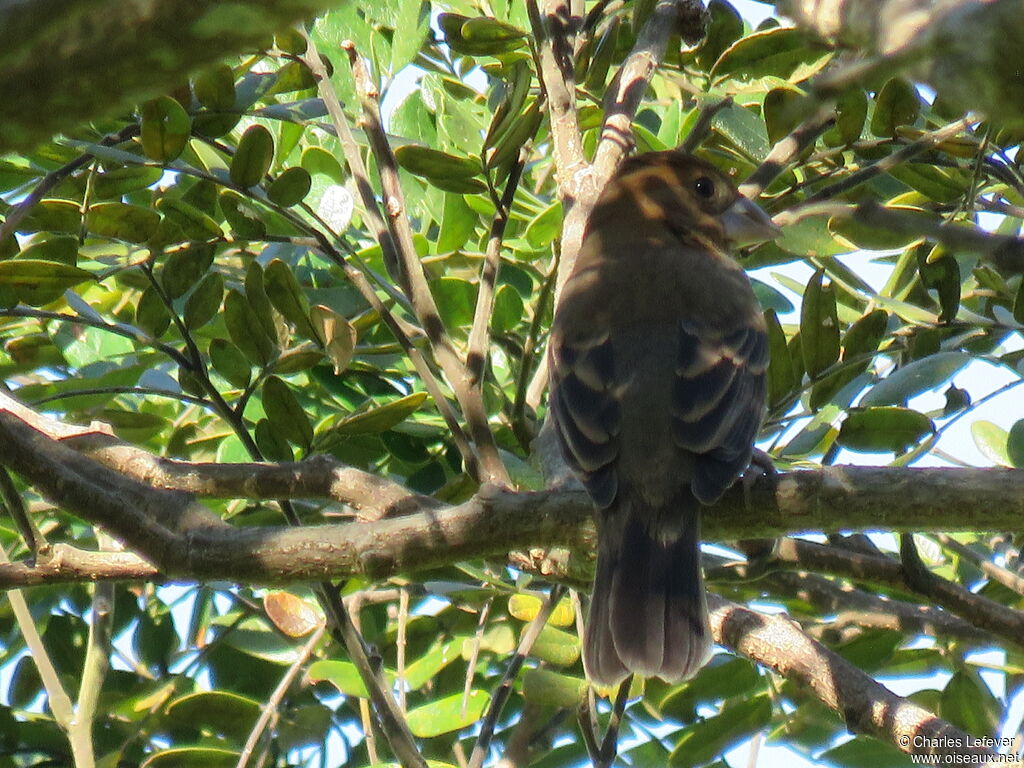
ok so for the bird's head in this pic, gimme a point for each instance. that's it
(689, 196)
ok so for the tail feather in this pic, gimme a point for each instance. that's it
(648, 612)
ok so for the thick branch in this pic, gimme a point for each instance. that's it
(965, 49)
(186, 541)
(117, 53)
(867, 706)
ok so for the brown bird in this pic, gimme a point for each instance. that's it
(657, 361)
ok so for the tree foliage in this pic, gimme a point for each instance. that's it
(256, 267)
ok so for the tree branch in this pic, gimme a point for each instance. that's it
(962, 48)
(868, 707)
(186, 541)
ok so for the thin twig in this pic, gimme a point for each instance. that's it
(57, 698)
(504, 690)
(120, 329)
(558, 79)
(523, 431)
(1004, 576)
(887, 163)
(18, 213)
(415, 282)
(585, 715)
(787, 149)
(403, 623)
(12, 503)
(98, 646)
(476, 358)
(390, 718)
(270, 709)
(474, 653)
(702, 125)
(610, 743)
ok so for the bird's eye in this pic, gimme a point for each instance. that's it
(704, 187)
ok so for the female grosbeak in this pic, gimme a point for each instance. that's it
(658, 356)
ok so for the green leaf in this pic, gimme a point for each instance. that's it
(898, 103)
(272, 444)
(1018, 304)
(526, 607)
(940, 272)
(771, 298)
(447, 714)
(228, 714)
(725, 27)
(426, 667)
(434, 164)
(131, 223)
(288, 298)
(555, 646)
(872, 237)
(745, 130)
(337, 334)
(783, 110)
(245, 330)
(215, 88)
(59, 248)
(877, 430)
(851, 111)
(782, 378)
(256, 293)
(545, 226)
(456, 301)
(40, 282)
(865, 752)
(507, 146)
(253, 157)
(458, 222)
(318, 160)
(382, 418)
(343, 675)
(243, 216)
(1015, 444)
(411, 30)
(230, 363)
(553, 689)
(991, 440)
(165, 129)
(285, 413)
(968, 703)
(508, 309)
(917, 377)
(777, 52)
(195, 224)
(702, 741)
(942, 185)
(122, 181)
(185, 268)
(819, 325)
(192, 757)
(53, 216)
(480, 36)
(291, 187)
(724, 677)
(152, 314)
(204, 302)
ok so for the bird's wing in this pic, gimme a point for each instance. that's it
(718, 402)
(587, 414)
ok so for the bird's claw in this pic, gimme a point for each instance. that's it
(761, 465)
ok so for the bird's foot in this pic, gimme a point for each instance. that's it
(761, 465)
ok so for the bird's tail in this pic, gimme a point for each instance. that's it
(648, 613)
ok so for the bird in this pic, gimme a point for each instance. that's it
(657, 361)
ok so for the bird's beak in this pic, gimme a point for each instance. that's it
(745, 223)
